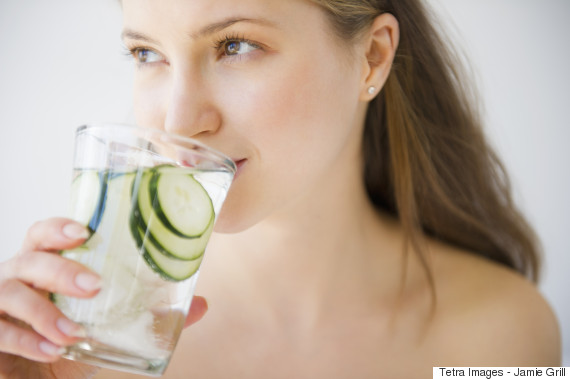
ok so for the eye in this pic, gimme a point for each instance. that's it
(143, 55)
(232, 47)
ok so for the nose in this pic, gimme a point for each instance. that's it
(190, 110)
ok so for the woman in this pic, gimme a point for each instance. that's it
(369, 231)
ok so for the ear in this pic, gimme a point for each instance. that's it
(380, 45)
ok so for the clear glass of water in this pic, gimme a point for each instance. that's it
(150, 200)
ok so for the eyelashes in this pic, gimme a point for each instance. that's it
(234, 45)
(144, 55)
(228, 48)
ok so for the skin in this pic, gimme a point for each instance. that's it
(304, 278)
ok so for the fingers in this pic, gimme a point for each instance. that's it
(27, 343)
(28, 306)
(54, 234)
(198, 309)
(51, 329)
(47, 271)
(30, 325)
(51, 272)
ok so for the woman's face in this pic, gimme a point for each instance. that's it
(264, 81)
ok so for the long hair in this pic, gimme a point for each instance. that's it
(426, 158)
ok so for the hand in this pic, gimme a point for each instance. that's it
(33, 331)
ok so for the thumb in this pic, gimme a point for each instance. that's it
(197, 310)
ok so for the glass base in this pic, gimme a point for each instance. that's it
(108, 357)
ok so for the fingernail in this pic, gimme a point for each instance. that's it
(69, 328)
(87, 281)
(75, 232)
(51, 349)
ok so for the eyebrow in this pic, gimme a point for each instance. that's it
(129, 33)
(219, 26)
(205, 31)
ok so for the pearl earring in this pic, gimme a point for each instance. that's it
(371, 90)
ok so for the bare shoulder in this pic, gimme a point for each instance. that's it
(489, 315)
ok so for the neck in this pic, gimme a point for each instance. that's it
(304, 262)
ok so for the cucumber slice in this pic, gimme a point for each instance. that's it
(171, 245)
(111, 252)
(183, 205)
(170, 269)
(88, 192)
(165, 241)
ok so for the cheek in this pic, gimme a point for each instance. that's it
(294, 104)
(297, 120)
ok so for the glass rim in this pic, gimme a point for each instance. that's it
(202, 148)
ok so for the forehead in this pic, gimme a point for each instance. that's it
(193, 13)
(300, 22)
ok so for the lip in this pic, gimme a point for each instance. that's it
(240, 163)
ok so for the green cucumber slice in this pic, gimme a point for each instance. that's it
(162, 237)
(171, 245)
(183, 205)
(110, 245)
(170, 269)
(88, 193)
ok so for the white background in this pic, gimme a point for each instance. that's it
(62, 64)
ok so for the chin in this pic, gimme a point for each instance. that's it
(231, 220)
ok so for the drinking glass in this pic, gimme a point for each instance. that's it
(149, 200)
